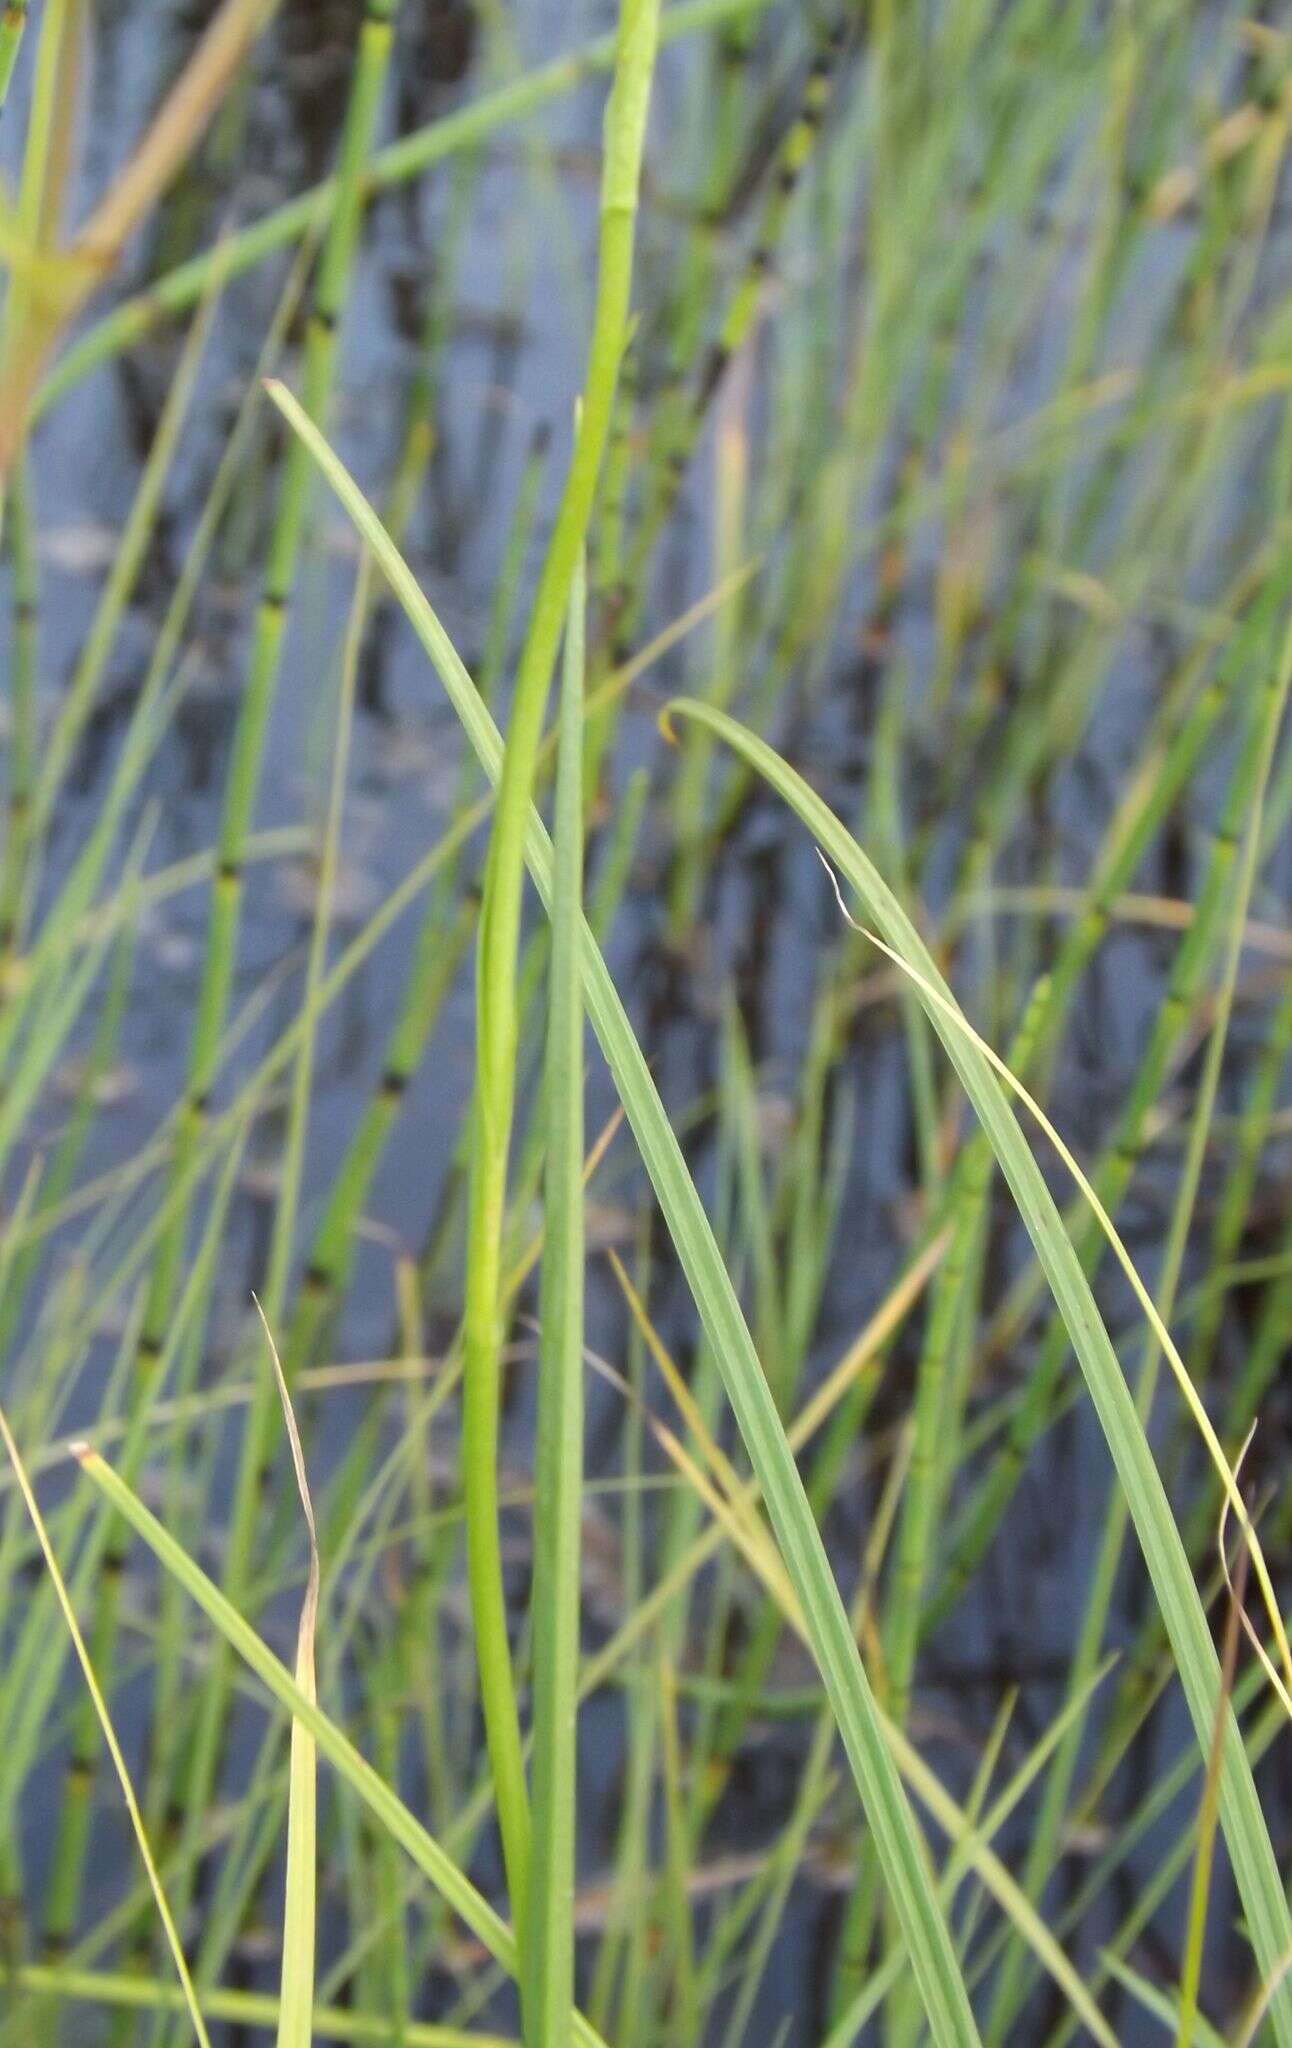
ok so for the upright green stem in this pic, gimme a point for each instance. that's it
(548, 1956)
(494, 1097)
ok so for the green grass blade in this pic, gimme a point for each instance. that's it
(240, 2008)
(497, 1010)
(1251, 1854)
(549, 1940)
(898, 1840)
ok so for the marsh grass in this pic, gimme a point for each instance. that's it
(714, 1618)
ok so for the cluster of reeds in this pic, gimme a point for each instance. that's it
(925, 506)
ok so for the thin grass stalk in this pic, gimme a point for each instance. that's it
(42, 182)
(740, 1087)
(392, 1964)
(615, 1958)
(496, 1016)
(137, 1994)
(730, 485)
(1200, 1885)
(679, 1934)
(548, 1998)
(296, 1985)
(291, 1170)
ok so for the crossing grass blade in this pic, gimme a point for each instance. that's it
(1246, 1834)
(900, 1845)
(252, 2009)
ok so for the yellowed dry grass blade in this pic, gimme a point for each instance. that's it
(296, 1993)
